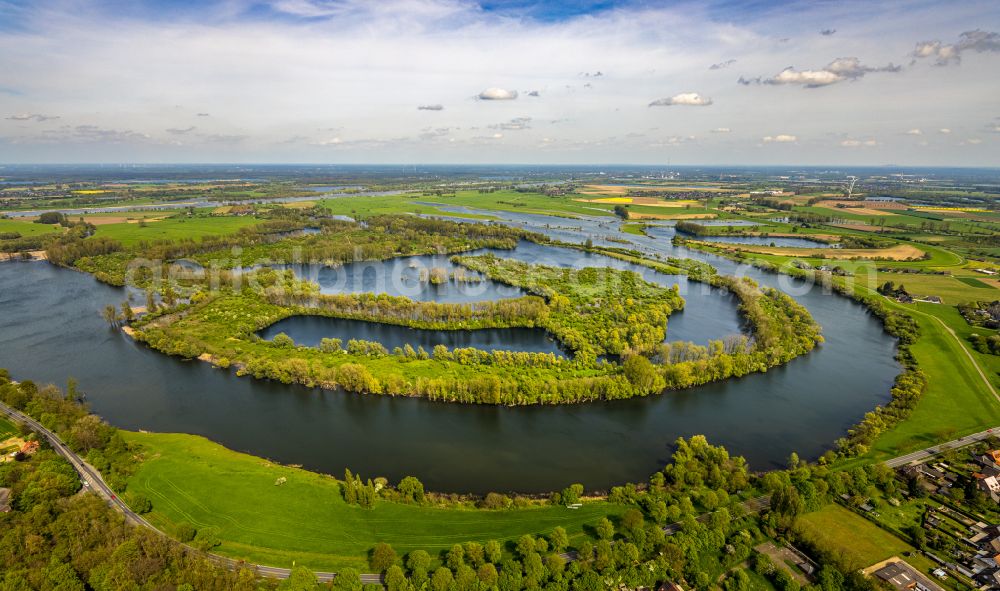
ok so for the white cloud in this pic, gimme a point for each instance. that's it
(721, 130)
(430, 108)
(515, 124)
(853, 143)
(369, 65)
(180, 131)
(974, 141)
(92, 134)
(944, 130)
(674, 140)
(977, 41)
(782, 138)
(915, 131)
(32, 117)
(839, 70)
(722, 65)
(691, 99)
(497, 94)
(809, 78)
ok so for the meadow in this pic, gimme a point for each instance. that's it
(515, 201)
(364, 206)
(26, 229)
(173, 228)
(852, 538)
(304, 518)
(7, 429)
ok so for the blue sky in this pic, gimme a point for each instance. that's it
(506, 81)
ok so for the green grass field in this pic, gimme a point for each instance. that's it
(305, 520)
(363, 206)
(26, 229)
(6, 429)
(975, 282)
(952, 290)
(563, 205)
(637, 229)
(856, 540)
(173, 228)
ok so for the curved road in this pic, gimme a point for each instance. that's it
(92, 480)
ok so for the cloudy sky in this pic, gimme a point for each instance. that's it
(515, 81)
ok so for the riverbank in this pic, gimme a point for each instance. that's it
(274, 514)
(27, 255)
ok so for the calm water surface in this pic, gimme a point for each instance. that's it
(50, 328)
(309, 330)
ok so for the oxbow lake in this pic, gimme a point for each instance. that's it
(50, 329)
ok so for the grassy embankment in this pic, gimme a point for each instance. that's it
(958, 400)
(305, 520)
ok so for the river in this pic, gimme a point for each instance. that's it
(50, 328)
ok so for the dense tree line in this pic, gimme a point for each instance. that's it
(55, 539)
(525, 311)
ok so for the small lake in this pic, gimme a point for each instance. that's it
(309, 330)
(726, 223)
(782, 241)
(410, 277)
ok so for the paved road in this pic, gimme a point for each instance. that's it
(92, 481)
(925, 453)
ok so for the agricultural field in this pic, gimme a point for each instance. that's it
(899, 252)
(179, 226)
(307, 520)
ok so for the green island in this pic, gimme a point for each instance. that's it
(591, 312)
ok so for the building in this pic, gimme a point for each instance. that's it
(897, 576)
(991, 461)
(903, 577)
(991, 486)
(29, 448)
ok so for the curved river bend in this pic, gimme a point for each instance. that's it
(50, 328)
